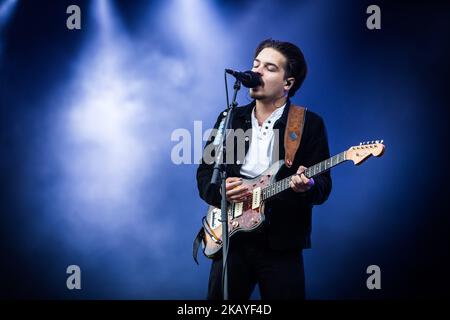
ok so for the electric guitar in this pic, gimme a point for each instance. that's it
(248, 215)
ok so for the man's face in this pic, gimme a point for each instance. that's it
(270, 64)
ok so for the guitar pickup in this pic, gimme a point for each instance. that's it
(238, 209)
(256, 198)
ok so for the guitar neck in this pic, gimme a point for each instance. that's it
(279, 186)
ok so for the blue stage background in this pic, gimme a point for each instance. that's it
(89, 118)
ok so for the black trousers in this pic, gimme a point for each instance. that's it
(279, 274)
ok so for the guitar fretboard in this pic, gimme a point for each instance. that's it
(279, 186)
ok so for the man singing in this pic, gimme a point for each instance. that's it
(270, 256)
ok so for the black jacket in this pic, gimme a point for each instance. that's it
(288, 216)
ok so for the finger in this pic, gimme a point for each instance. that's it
(233, 179)
(297, 180)
(239, 198)
(292, 185)
(305, 180)
(232, 185)
(301, 169)
(237, 191)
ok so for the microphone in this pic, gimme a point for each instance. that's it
(249, 78)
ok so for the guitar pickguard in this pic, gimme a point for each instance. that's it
(243, 216)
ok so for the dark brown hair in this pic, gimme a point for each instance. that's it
(295, 61)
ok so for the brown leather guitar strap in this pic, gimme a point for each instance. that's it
(293, 133)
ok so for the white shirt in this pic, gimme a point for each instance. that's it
(259, 155)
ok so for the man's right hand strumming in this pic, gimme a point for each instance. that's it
(236, 192)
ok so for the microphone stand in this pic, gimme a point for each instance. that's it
(220, 169)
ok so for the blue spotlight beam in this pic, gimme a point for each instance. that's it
(6, 10)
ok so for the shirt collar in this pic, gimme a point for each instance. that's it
(246, 111)
(276, 114)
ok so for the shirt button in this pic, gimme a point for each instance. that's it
(267, 127)
(269, 121)
(246, 139)
(264, 133)
(238, 162)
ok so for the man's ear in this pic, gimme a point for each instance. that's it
(289, 83)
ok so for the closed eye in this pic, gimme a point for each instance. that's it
(268, 66)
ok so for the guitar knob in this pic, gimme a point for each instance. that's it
(235, 224)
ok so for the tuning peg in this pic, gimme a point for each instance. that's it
(377, 141)
(360, 143)
(381, 141)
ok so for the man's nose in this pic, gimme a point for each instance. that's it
(258, 72)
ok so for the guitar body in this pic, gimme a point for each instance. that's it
(243, 216)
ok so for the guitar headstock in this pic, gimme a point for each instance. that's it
(358, 154)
